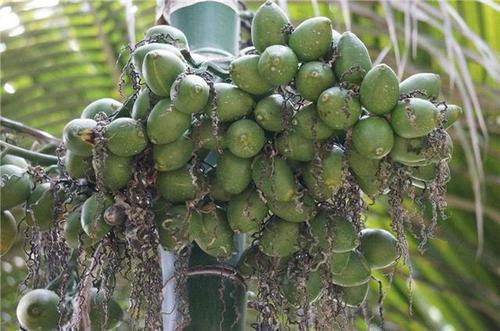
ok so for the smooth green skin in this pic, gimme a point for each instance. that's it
(141, 107)
(349, 269)
(232, 102)
(77, 136)
(167, 34)
(203, 136)
(8, 231)
(165, 123)
(313, 286)
(354, 60)
(38, 310)
(451, 114)
(246, 211)
(295, 147)
(96, 313)
(274, 178)
(233, 172)
(106, 105)
(140, 53)
(78, 166)
(245, 138)
(16, 186)
(427, 83)
(73, 230)
(355, 296)
(373, 137)
(125, 137)
(92, 219)
(371, 187)
(379, 91)
(217, 190)
(308, 124)
(289, 211)
(312, 39)
(329, 175)
(413, 118)
(160, 70)
(245, 74)
(215, 236)
(278, 65)
(363, 167)
(117, 171)
(379, 247)
(173, 225)
(279, 238)
(408, 151)
(334, 234)
(267, 26)
(190, 95)
(41, 206)
(269, 113)
(173, 156)
(14, 160)
(177, 185)
(425, 173)
(313, 78)
(330, 108)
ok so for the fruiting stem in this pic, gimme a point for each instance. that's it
(35, 133)
(34, 157)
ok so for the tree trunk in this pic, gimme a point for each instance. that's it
(216, 295)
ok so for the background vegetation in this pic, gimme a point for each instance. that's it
(56, 56)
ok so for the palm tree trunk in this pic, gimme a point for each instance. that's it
(215, 294)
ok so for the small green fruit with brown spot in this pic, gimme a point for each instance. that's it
(279, 238)
(309, 125)
(413, 118)
(245, 74)
(379, 247)
(107, 106)
(232, 102)
(274, 177)
(379, 91)
(125, 137)
(165, 123)
(312, 38)
(167, 34)
(160, 69)
(334, 233)
(245, 138)
(190, 94)
(233, 172)
(246, 211)
(78, 136)
(278, 65)
(354, 60)
(178, 185)
(172, 156)
(295, 147)
(268, 26)
(338, 108)
(421, 85)
(349, 269)
(269, 113)
(373, 137)
(313, 78)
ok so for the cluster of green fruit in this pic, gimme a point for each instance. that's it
(263, 154)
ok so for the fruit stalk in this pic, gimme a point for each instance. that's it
(34, 157)
(35, 133)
